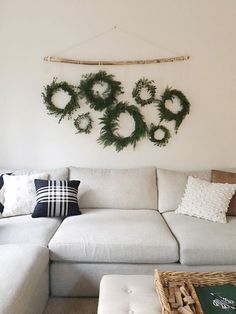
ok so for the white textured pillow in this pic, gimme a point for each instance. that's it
(206, 200)
(20, 194)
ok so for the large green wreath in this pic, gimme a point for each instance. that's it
(159, 142)
(110, 121)
(77, 123)
(52, 89)
(144, 84)
(96, 100)
(168, 115)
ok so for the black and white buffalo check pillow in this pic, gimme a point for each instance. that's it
(56, 198)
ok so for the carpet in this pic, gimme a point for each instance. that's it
(72, 306)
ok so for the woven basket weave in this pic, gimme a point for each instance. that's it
(191, 279)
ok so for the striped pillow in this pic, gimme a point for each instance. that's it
(56, 198)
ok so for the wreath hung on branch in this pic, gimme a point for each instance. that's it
(79, 120)
(144, 84)
(109, 132)
(166, 135)
(51, 90)
(100, 101)
(168, 115)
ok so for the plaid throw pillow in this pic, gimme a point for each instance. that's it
(2, 192)
(56, 198)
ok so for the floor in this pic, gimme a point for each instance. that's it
(72, 306)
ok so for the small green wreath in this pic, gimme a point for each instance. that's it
(88, 127)
(52, 89)
(141, 85)
(168, 115)
(96, 100)
(164, 140)
(109, 132)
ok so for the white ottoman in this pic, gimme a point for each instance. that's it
(133, 294)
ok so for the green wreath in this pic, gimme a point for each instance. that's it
(109, 132)
(96, 100)
(159, 142)
(77, 123)
(168, 115)
(144, 84)
(52, 89)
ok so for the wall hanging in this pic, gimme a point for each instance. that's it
(108, 103)
(111, 107)
(51, 90)
(114, 62)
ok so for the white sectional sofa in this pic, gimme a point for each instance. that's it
(127, 226)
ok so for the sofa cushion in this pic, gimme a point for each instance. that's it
(2, 191)
(118, 188)
(226, 177)
(56, 198)
(22, 267)
(206, 200)
(20, 194)
(203, 242)
(25, 229)
(171, 186)
(54, 174)
(101, 235)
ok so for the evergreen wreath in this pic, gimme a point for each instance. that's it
(52, 89)
(77, 123)
(159, 142)
(109, 132)
(144, 84)
(96, 100)
(168, 115)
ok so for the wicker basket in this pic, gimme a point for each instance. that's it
(191, 279)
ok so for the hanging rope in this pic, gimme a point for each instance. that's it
(115, 62)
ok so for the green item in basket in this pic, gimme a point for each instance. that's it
(217, 299)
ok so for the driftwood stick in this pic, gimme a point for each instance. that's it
(124, 62)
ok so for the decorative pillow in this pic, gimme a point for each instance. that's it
(206, 200)
(56, 198)
(226, 177)
(20, 194)
(2, 193)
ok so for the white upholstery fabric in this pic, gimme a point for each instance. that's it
(23, 271)
(204, 242)
(101, 235)
(118, 188)
(171, 186)
(128, 295)
(54, 174)
(206, 200)
(25, 229)
(82, 279)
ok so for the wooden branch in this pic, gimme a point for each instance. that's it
(127, 62)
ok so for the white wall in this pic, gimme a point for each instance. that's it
(204, 29)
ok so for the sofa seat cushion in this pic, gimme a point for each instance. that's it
(25, 229)
(203, 242)
(22, 267)
(113, 235)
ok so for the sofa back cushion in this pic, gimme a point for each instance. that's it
(171, 187)
(54, 174)
(116, 188)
